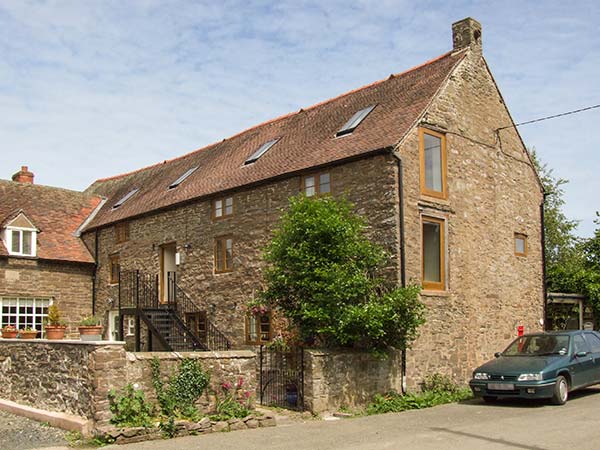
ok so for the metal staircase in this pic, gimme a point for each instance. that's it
(168, 325)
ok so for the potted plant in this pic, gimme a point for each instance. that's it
(9, 332)
(90, 329)
(55, 327)
(28, 333)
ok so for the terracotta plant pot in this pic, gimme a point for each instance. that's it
(28, 334)
(90, 332)
(55, 332)
(9, 334)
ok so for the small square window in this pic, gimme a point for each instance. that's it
(316, 184)
(222, 207)
(520, 244)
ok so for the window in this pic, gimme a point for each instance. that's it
(182, 178)
(261, 151)
(222, 207)
(125, 198)
(594, 342)
(121, 232)
(223, 254)
(316, 184)
(433, 254)
(579, 344)
(432, 149)
(355, 121)
(24, 312)
(520, 244)
(115, 268)
(21, 242)
(258, 328)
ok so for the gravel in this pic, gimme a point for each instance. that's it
(20, 433)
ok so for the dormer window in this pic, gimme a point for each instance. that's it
(20, 236)
(355, 121)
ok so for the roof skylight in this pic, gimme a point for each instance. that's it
(261, 151)
(355, 121)
(182, 178)
(124, 199)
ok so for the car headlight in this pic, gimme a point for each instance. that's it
(481, 376)
(530, 377)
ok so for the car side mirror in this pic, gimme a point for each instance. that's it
(498, 354)
(581, 354)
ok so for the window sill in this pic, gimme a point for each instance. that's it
(432, 293)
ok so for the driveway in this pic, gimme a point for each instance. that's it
(466, 426)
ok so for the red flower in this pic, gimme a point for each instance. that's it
(240, 382)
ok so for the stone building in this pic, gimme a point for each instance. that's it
(42, 258)
(428, 156)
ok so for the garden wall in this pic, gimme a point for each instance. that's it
(335, 378)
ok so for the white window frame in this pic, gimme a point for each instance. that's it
(21, 319)
(8, 232)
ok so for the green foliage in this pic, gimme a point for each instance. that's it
(130, 408)
(324, 275)
(437, 389)
(54, 316)
(90, 321)
(168, 427)
(183, 390)
(233, 402)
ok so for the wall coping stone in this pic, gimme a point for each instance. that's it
(231, 354)
(342, 351)
(62, 342)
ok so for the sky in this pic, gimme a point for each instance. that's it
(91, 89)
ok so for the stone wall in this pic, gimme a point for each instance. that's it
(333, 379)
(69, 285)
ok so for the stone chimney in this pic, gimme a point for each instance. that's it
(466, 33)
(23, 176)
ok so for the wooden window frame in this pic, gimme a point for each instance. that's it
(221, 241)
(259, 339)
(223, 201)
(114, 260)
(443, 194)
(121, 232)
(525, 246)
(433, 285)
(317, 177)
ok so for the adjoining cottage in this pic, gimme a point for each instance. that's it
(428, 156)
(42, 258)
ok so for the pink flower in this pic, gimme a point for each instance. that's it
(226, 386)
(247, 394)
(240, 382)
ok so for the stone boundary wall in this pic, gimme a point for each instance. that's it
(336, 378)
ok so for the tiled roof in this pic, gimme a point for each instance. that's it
(57, 213)
(306, 139)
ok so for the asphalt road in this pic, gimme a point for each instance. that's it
(466, 426)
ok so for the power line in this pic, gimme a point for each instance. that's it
(549, 117)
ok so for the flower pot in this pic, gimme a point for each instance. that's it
(90, 333)
(55, 332)
(9, 334)
(28, 334)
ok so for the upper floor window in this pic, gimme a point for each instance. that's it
(520, 244)
(223, 254)
(261, 151)
(316, 184)
(432, 150)
(433, 254)
(222, 207)
(115, 268)
(20, 236)
(355, 121)
(121, 232)
(125, 198)
(182, 178)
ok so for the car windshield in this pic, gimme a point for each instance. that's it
(538, 345)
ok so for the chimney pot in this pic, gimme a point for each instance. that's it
(23, 176)
(466, 33)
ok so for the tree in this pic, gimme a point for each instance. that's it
(325, 276)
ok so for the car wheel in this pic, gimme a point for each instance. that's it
(490, 399)
(561, 391)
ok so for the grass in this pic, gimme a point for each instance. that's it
(394, 402)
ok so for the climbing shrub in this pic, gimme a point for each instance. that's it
(130, 408)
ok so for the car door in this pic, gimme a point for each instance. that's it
(582, 367)
(594, 342)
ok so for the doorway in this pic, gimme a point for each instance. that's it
(168, 268)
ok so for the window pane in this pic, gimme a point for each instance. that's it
(519, 244)
(432, 258)
(228, 205)
(218, 208)
(228, 253)
(16, 241)
(219, 255)
(27, 243)
(265, 328)
(309, 186)
(324, 186)
(433, 162)
(252, 329)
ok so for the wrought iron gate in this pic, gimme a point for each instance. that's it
(281, 378)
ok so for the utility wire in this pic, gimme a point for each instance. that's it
(549, 117)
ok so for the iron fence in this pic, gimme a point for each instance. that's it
(281, 378)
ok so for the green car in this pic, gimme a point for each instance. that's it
(541, 365)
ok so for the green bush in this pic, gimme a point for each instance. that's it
(130, 408)
(324, 274)
(439, 383)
